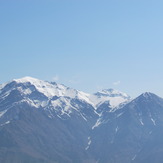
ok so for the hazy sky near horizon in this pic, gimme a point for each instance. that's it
(85, 44)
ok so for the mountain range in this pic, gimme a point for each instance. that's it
(47, 122)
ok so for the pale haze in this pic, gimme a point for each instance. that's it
(85, 44)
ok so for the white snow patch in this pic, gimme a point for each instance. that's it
(113, 101)
(50, 116)
(134, 158)
(119, 115)
(5, 123)
(3, 112)
(3, 96)
(26, 91)
(64, 104)
(59, 116)
(85, 96)
(83, 117)
(153, 121)
(97, 123)
(89, 143)
(114, 97)
(34, 103)
(99, 114)
(63, 112)
(141, 122)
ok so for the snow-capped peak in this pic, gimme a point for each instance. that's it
(51, 89)
(111, 93)
(147, 94)
(44, 87)
(27, 79)
(114, 97)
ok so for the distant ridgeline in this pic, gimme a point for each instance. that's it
(44, 122)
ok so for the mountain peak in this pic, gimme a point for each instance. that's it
(26, 79)
(45, 87)
(112, 93)
(51, 89)
(147, 95)
(114, 97)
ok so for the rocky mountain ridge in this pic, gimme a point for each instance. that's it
(47, 122)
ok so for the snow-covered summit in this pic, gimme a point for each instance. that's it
(147, 94)
(147, 97)
(111, 93)
(114, 97)
(50, 89)
(27, 79)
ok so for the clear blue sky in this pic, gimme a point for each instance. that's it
(85, 44)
